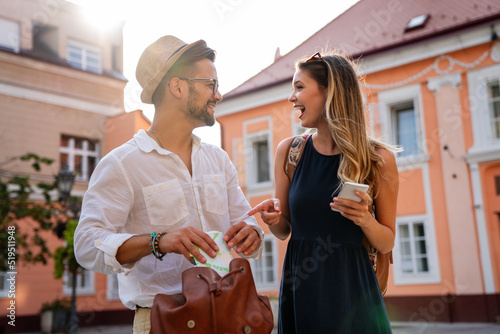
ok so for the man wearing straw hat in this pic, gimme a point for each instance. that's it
(154, 198)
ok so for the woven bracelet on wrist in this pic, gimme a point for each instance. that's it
(154, 245)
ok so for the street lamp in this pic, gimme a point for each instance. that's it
(65, 180)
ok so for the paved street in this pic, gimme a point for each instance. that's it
(440, 328)
(398, 328)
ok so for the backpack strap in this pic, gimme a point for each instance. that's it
(294, 153)
(380, 262)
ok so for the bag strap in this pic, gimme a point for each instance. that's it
(215, 289)
(294, 154)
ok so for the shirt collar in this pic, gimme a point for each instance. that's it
(148, 144)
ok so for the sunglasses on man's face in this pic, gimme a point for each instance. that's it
(215, 87)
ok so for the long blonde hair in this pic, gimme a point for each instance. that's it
(344, 111)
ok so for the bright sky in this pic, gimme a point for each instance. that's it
(245, 34)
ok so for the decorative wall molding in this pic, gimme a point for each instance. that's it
(454, 79)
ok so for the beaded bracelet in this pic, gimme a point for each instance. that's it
(154, 245)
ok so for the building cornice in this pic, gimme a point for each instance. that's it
(69, 72)
(58, 100)
(481, 155)
(426, 49)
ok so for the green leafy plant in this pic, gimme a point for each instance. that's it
(64, 256)
(56, 305)
(16, 206)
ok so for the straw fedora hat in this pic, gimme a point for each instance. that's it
(155, 62)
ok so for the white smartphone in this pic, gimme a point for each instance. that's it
(348, 191)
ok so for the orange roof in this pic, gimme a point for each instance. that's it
(373, 26)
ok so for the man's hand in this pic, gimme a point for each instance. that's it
(243, 236)
(270, 211)
(185, 240)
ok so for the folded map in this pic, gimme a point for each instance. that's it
(219, 263)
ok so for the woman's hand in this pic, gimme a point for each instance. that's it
(270, 211)
(358, 212)
(243, 236)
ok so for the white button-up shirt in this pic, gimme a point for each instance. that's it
(140, 188)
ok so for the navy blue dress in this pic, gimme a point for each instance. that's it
(328, 284)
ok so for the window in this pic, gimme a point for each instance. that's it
(80, 154)
(4, 284)
(405, 128)
(112, 287)
(9, 38)
(116, 54)
(258, 159)
(494, 108)
(258, 145)
(261, 153)
(413, 250)
(400, 122)
(484, 97)
(415, 261)
(265, 270)
(84, 282)
(497, 185)
(417, 22)
(84, 57)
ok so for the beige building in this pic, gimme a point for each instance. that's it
(61, 97)
(432, 83)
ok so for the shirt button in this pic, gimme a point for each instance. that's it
(98, 243)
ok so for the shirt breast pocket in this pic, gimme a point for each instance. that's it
(215, 194)
(165, 203)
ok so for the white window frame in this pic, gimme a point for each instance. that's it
(250, 160)
(430, 277)
(480, 110)
(112, 287)
(9, 38)
(87, 289)
(84, 152)
(82, 61)
(266, 285)
(396, 109)
(388, 100)
(253, 162)
(493, 121)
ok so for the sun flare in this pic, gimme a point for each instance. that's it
(103, 15)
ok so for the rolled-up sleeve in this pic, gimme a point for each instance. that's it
(105, 209)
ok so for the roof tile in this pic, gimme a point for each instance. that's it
(374, 25)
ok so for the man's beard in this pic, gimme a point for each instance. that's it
(199, 112)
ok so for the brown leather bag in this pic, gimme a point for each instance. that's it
(380, 263)
(213, 304)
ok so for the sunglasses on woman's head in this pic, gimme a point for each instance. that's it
(316, 55)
